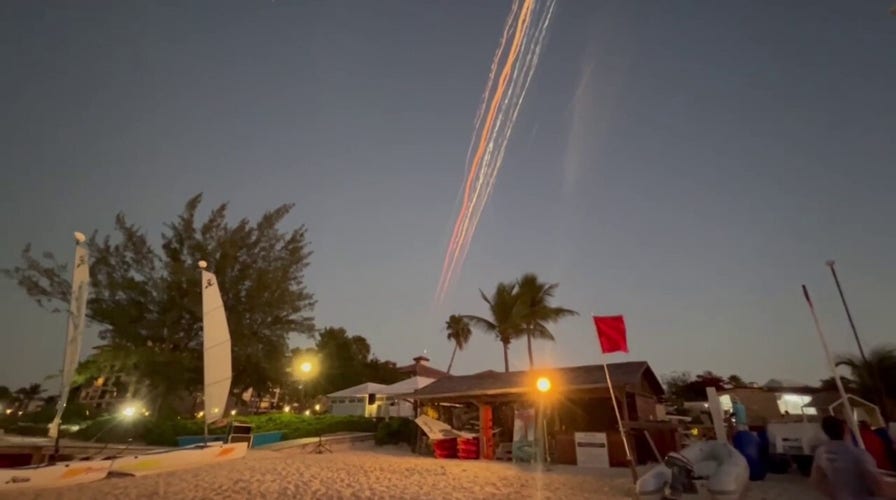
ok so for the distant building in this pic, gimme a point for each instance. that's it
(111, 389)
(495, 405)
(378, 400)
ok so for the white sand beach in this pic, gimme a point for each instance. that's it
(378, 473)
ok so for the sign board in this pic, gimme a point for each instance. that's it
(591, 449)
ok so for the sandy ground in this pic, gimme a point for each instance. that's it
(379, 473)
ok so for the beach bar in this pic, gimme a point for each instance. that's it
(576, 401)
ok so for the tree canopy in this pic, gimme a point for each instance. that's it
(682, 386)
(520, 309)
(505, 319)
(459, 333)
(345, 360)
(538, 312)
(147, 300)
(874, 380)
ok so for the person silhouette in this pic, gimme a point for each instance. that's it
(843, 471)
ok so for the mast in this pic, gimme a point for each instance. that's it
(202, 273)
(77, 313)
(850, 416)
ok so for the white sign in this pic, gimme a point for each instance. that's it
(591, 449)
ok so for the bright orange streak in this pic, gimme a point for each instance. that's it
(477, 123)
(491, 73)
(459, 234)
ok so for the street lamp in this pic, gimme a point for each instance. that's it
(304, 367)
(543, 385)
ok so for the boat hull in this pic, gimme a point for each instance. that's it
(51, 476)
(726, 469)
(181, 458)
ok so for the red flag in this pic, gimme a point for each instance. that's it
(611, 333)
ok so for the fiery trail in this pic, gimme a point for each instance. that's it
(477, 122)
(492, 129)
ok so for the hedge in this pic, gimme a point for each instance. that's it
(164, 432)
(396, 431)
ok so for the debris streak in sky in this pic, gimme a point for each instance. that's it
(525, 29)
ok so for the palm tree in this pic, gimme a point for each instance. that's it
(536, 297)
(506, 311)
(459, 332)
(880, 369)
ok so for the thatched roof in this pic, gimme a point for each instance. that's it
(488, 383)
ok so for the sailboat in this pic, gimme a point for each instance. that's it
(64, 473)
(217, 375)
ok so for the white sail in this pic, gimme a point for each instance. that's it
(75, 331)
(216, 349)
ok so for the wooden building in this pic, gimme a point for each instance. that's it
(578, 401)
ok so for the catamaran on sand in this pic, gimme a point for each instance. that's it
(64, 473)
(217, 375)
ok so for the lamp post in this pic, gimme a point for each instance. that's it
(543, 385)
(304, 367)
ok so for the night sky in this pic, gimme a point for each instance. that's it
(687, 164)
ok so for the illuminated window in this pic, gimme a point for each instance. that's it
(794, 403)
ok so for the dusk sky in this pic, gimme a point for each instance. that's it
(688, 164)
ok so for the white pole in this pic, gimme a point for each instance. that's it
(628, 453)
(850, 416)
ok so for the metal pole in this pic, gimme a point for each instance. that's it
(852, 324)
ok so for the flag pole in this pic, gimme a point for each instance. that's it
(850, 417)
(628, 453)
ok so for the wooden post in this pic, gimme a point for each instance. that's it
(626, 418)
(486, 438)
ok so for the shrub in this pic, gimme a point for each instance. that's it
(302, 426)
(164, 431)
(28, 429)
(395, 431)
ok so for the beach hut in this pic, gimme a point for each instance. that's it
(361, 400)
(577, 407)
(397, 397)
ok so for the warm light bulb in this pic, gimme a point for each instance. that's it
(543, 384)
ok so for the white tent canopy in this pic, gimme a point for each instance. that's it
(391, 400)
(359, 390)
(407, 386)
